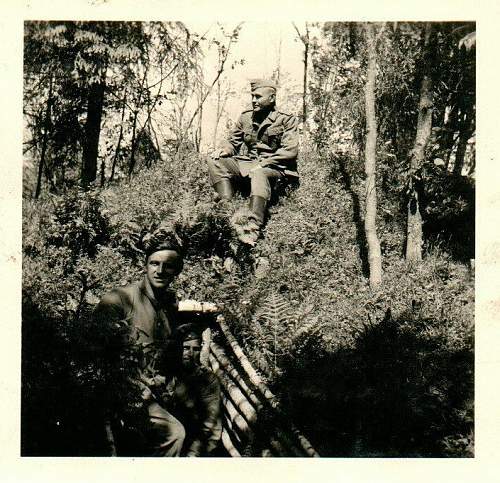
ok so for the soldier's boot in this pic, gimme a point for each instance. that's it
(249, 222)
(258, 208)
(224, 189)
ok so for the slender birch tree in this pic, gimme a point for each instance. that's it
(414, 233)
(374, 254)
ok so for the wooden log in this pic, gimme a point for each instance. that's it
(224, 362)
(246, 365)
(304, 442)
(236, 397)
(241, 403)
(228, 444)
(239, 399)
(232, 431)
(236, 418)
(206, 337)
(261, 386)
(288, 448)
(231, 428)
(228, 414)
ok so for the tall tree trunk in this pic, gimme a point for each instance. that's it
(41, 166)
(157, 143)
(447, 139)
(218, 111)
(133, 145)
(103, 172)
(414, 234)
(304, 93)
(305, 40)
(463, 138)
(374, 254)
(120, 138)
(63, 177)
(92, 133)
(198, 130)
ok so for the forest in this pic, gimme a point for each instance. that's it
(356, 305)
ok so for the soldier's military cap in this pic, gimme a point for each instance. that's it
(258, 83)
(189, 331)
(161, 239)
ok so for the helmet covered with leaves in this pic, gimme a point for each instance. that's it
(162, 239)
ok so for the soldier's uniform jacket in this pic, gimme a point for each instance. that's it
(273, 143)
(151, 323)
(194, 398)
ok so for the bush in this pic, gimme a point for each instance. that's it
(299, 302)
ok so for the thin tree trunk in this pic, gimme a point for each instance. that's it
(136, 136)
(198, 133)
(447, 139)
(103, 174)
(463, 138)
(374, 254)
(218, 109)
(133, 145)
(63, 177)
(120, 138)
(305, 40)
(204, 97)
(304, 94)
(157, 143)
(44, 142)
(221, 105)
(92, 133)
(414, 234)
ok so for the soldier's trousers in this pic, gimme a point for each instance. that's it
(231, 168)
(167, 432)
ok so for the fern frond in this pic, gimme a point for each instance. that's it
(273, 322)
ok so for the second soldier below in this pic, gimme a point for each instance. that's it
(271, 139)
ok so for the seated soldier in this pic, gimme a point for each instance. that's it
(148, 311)
(193, 395)
(272, 141)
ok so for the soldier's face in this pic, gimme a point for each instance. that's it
(191, 350)
(263, 98)
(162, 267)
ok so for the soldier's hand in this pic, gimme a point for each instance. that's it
(146, 394)
(220, 153)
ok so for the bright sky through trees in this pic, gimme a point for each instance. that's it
(264, 47)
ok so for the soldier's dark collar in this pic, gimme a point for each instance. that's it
(268, 120)
(271, 116)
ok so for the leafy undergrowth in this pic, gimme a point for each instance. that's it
(310, 322)
(358, 381)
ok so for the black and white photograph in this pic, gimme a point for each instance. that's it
(250, 237)
(240, 248)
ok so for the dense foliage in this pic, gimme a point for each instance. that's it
(336, 91)
(298, 302)
(364, 373)
(102, 100)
